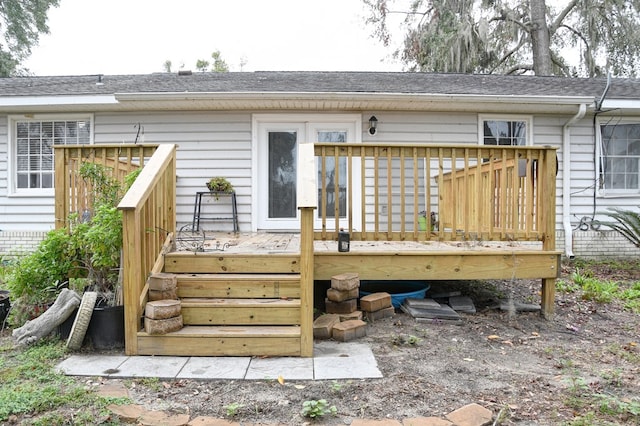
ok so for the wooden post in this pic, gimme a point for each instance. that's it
(547, 173)
(61, 187)
(307, 202)
(306, 281)
(131, 279)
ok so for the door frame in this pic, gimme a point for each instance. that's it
(259, 120)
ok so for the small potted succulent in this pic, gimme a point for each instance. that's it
(219, 184)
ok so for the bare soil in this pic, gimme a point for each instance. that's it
(522, 367)
(527, 370)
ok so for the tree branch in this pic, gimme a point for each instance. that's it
(558, 21)
(588, 54)
(559, 64)
(505, 18)
(518, 67)
(508, 55)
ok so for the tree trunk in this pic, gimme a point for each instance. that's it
(36, 329)
(540, 38)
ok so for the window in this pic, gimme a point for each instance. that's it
(505, 131)
(620, 157)
(32, 153)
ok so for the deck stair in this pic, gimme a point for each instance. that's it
(232, 313)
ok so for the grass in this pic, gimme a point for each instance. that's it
(31, 386)
(588, 278)
(603, 400)
(594, 406)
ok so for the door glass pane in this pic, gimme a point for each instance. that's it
(333, 187)
(283, 156)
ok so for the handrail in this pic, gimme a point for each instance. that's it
(149, 216)
(439, 192)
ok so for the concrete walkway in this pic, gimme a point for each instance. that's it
(331, 361)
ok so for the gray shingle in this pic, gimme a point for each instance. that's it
(321, 82)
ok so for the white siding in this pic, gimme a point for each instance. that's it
(219, 144)
(209, 144)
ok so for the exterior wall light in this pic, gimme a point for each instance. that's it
(373, 124)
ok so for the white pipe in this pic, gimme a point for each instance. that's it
(566, 181)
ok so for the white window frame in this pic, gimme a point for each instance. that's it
(601, 190)
(528, 119)
(12, 185)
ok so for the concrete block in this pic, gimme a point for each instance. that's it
(344, 307)
(349, 330)
(163, 294)
(323, 326)
(336, 295)
(357, 315)
(345, 281)
(163, 326)
(378, 315)
(162, 309)
(162, 281)
(375, 301)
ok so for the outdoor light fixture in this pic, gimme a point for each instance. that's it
(373, 124)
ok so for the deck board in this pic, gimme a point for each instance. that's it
(263, 242)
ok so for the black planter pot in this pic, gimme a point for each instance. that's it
(64, 329)
(106, 328)
(5, 305)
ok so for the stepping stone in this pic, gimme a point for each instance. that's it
(462, 304)
(446, 294)
(422, 303)
(442, 312)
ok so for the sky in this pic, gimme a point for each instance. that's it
(138, 36)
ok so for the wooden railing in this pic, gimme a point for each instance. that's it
(149, 222)
(439, 192)
(72, 193)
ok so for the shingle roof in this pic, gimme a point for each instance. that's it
(320, 82)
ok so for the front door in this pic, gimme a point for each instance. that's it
(277, 171)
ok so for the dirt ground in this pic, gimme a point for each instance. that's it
(525, 369)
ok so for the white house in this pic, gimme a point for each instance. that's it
(246, 127)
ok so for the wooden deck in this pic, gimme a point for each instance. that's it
(396, 260)
(270, 242)
(493, 211)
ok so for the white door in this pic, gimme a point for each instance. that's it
(278, 175)
(277, 171)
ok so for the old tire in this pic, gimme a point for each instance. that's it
(81, 323)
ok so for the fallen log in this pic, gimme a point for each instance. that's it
(40, 327)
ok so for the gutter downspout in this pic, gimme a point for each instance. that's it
(566, 181)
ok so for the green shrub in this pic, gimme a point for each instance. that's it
(89, 248)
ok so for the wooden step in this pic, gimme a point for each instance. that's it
(207, 311)
(223, 341)
(239, 285)
(231, 263)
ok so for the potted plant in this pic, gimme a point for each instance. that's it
(96, 238)
(87, 253)
(219, 184)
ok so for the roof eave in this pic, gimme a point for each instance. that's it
(352, 101)
(433, 97)
(294, 101)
